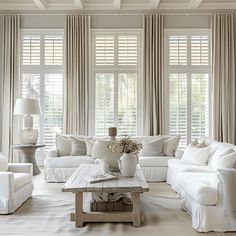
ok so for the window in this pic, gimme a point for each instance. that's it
(116, 69)
(188, 73)
(42, 78)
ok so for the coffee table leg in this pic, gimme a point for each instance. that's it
(136, 210)
(79, 209)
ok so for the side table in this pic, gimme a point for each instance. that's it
(28, 154)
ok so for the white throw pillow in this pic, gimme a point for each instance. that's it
(152, 148)
(89, 146)
(78, 146)
(101, 151)
(225, 160)
(195, 155)
(3, 163)
(170, 145)
(63, 144)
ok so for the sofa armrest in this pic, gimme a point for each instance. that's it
(21, 168)
(53, 152)
(179, 154)
(6, 184)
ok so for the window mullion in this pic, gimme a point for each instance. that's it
(189, 94)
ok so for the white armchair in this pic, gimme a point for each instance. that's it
(15, 186)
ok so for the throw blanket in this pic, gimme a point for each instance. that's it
(111, 197)
(228, 177)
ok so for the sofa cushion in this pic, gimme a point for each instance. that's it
(154, 161)
(170, 145)
(89, 146)
(195, 155)
(152, 148)
(198, 186)
(78, 146)
(67, 161)
(63, 144)
(3, 163)
(225, 160)
(20, 180)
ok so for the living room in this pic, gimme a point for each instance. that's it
(117, 117)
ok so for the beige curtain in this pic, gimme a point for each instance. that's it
(223, 75)
(11, 81)
(153, 81)
(76, 87)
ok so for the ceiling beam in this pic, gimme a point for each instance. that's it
(117, 4)
(79, 4)
(154, 4)
(195, 3)
(41, 4)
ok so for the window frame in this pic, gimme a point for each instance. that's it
(41, 69)
(116, 69)
(188, 70)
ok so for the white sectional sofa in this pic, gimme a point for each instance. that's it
(60, 165)
(205, 191)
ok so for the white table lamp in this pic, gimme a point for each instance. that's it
(28, 107)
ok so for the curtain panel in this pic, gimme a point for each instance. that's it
(153, 81)
(223, 76)
(10, 81)
(76, 81)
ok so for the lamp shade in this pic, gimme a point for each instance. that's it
(27, 106)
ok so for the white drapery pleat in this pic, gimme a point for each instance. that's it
(223, 75)
(11, 82)
(76, 86)
(153, 81)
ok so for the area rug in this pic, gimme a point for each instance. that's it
(48, 211)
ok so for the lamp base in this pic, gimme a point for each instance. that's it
(29, 136)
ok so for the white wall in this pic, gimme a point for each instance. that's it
(101, 21)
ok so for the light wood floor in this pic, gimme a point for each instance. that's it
(48, 213)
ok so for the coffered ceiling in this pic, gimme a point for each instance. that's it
(117, 4)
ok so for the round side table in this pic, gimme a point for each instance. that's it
(28, 154)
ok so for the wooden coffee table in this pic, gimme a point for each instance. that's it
(78, 185)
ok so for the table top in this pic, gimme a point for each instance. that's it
(21, 146)
(77, 182)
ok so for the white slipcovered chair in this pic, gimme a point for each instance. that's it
(15, 184)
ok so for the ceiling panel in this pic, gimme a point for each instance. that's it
(124, 4)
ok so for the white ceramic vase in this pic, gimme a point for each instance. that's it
(128, 164)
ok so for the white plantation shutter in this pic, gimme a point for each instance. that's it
(31, 50)
(199, 50)
(188, 69)
(128, 50)
(178, 107)
(53, 109)
(127, 104)
(104, 103)
(200, 105)
(42, 77)
(104, 50)
(53, 50)
(116, 90)
(178, 50)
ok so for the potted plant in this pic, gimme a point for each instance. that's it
(129, 148)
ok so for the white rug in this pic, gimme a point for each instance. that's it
(47, 213)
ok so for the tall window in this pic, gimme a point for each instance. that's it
(116, 69)
(188, 75)
(42, 78)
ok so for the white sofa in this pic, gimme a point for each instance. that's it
(203, 191)
(15, 186)
(59, 168)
